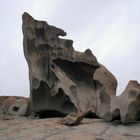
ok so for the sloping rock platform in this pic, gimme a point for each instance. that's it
(25, 128)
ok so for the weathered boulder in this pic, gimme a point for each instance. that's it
(74, 119)
(61, 79)
(19, 107)
(127, 105)
(107, 79)
(14, 105)
(6, 102)
(64, 81)
(106, 85)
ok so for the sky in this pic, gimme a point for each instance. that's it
(110, 28)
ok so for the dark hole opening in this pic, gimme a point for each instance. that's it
(116, 115)
(77, 69)
(91, 115)
(50, 114)
(138, 116)
(15, 108)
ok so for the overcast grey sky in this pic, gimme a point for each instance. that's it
(110, 28)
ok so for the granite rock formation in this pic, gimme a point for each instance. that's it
(14, 106)
(64, 81)
(124, 107)
(61, 79)
(127, 105)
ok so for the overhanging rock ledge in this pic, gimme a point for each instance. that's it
(63, 80)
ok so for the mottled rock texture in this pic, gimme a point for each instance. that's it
(64, 81)
(25, 128)
(74, 119)
(127, 105)
(14, 105)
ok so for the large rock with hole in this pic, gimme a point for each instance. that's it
(5, 103)
(15, 106)
(62, 79)
(19, 107)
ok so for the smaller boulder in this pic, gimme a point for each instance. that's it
(19, 107)
(14, 105)
(127, 105)
(5, 104)
(74, 119)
